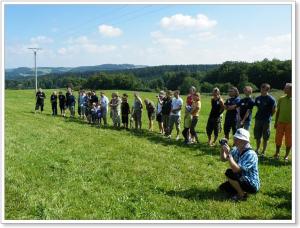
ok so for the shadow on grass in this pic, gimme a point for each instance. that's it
(200, 148)
(270, 161)
(196, 194)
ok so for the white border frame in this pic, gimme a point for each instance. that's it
(293, 220)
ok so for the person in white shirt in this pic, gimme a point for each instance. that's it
(177, 103)
(104, 106)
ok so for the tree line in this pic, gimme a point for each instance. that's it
(204, 78)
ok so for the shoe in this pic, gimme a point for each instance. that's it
(168, 136)
(276, 156)
(286, 159)
(177, 138)
(238, 198)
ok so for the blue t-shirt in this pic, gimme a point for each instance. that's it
(248, 162)
(265, 105)
(245, 104)
(231, 114)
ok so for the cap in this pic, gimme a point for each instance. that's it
(242, 134)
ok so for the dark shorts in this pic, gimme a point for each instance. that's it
(38, 105)
(159, 118)
(125, 119)
(213, 125)
(230, 124)
(262, 129)
(151, 115)
(245, 185)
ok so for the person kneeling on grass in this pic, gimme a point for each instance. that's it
(243, 175)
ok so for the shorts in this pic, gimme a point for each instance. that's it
(159, 118)
(137, 116)
(125, 119)
(283, 129)
(151, 116)
(262, 129)
(244, 183)
(38, 105)
(229, 124)
(174, 119)
(213, 125)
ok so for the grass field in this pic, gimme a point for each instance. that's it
(58, 168)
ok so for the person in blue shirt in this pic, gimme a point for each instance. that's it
(243, 174)
(266, 107)
(244, 109)
(230, 107)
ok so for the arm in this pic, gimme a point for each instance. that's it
(246, 116)
(226, 155)
(276, 117)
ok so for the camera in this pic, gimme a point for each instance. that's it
(223, 141)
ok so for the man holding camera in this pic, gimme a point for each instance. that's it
(243, 175)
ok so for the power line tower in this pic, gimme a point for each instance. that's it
(35, 50)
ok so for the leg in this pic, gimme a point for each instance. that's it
(266, 136)
(288, 140)
(278, 138)
(236, 185)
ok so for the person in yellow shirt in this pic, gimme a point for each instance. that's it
(196, 106)
(283, 122)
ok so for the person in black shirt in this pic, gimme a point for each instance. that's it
(53, 100)
(40, 97)
(69, 91)
(231, 113)
(125, 110)
(62, 103)
(94, 97)
(214, 119)
(166, 110)
(71, 104)
(244, 109)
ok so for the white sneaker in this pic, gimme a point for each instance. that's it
(177, 138)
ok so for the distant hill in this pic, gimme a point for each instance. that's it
(22, 72)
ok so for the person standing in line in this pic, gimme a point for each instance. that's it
(214, 119)
(53, 100)
(115, 105)
(231, 113)
(266, 107)
(244, 109)
(196, 107)
(125, 110)
(166, 110)
(71, 100)
(283, 122)
(159, 118)
(136, 111)
(104, 107)
(151, 112)
(176, 106)
(62, 103)
(40, 97)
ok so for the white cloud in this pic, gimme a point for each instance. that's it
(167, 42)
(180, 21)
(41, 40)
(203, 36)
(62, 51)
(280, 39)
(109, 31)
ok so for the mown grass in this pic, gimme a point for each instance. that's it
(58, 168)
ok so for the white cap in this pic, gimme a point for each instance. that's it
(242, 134)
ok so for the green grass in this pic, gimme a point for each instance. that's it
(65, 169)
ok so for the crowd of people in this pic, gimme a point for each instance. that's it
(243, 174)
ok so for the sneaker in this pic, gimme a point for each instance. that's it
(238, 198)
(168, 136)
(276, 156)
(286, 159)
(177, 138)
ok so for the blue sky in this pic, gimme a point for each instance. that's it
(78, 35)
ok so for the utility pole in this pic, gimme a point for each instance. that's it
(35, 50)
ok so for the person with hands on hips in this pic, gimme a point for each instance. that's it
(243, 175)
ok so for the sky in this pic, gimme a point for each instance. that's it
(73, 35)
